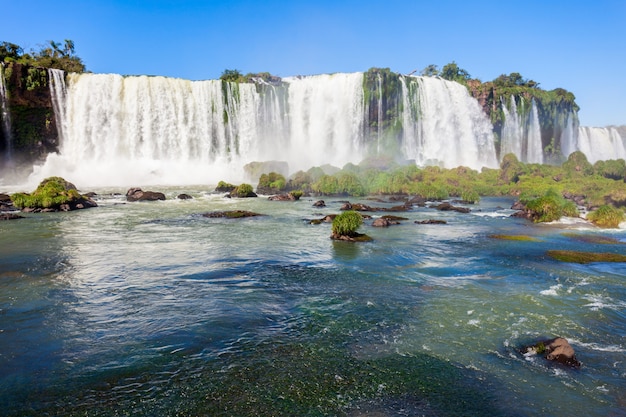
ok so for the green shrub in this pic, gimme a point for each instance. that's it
(243, 190)
(606, 216)
(346, 223)
(470, 196)
(550, 207)
(223, 186)
(296, 194)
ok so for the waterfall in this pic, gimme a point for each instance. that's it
(58, 92)
(534, 153)
(451, 129)
(569, 136)
(601, 143)
(138, 130)
(5, 114)
(512, 137)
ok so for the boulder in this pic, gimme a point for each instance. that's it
(430, 221)
(137, 194)
(449, 207)
(282, 197)
(319, 203)
(557, 350)
(184, 197)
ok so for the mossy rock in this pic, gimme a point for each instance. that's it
(607, 217)
(52, 194)
(523, 238)
(585, 257)
(243, 191)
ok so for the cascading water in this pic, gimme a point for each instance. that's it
(512, 136)
(58, 92)
(534, 149)
(601, 143)
(119, 130)
(451, 129)
(5, 114)
(569, 135)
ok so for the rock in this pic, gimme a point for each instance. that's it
(449, 207)
(184, 197)
(430, 221)
(137, 194)
(355, 237)
(557, 350)
(10, 216)
(325, 219)
(232, 214)
(319, 203)
(282, 197)
(382, 222)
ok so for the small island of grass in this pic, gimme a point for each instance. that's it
(585, 257)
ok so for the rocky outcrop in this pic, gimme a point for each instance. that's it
(449, 207)
(137, 194)
(33, 125)
(430, 221)
(557, 350)
(184, 196)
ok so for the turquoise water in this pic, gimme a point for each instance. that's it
(152, 309)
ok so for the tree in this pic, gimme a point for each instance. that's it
(233, 76)
(452, 72)
(11, 51)
(430, 71)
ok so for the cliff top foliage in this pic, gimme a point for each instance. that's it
(235, 76)
(50, 55)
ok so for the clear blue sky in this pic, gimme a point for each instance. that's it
(573, 44)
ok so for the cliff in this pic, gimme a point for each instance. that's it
(33, 132)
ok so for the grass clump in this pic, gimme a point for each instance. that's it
(606, 216)
(347, 223)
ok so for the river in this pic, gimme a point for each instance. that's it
(152, 309)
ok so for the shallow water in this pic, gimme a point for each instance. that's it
(152, 309)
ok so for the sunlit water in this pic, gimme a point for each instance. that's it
(152, 309)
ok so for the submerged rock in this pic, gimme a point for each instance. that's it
(557, 350)
(232, 214)
(184, 197)
(430, 221)
(10, 216)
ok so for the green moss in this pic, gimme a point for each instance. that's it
(550, 207)
(585, 257)
(51, 193)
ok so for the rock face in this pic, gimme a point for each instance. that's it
(557, 350)
(137, 194)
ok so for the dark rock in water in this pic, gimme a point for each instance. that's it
(325, 219)
(319, 203)
(417, 201)
(282, 197)
(10, 216)
(354, 237)
(557, 350)
(430, 221)
(233, 214)
(449, 207)
(137, 194)
(184, 197)
(381, 222)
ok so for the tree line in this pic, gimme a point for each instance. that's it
(49, 55)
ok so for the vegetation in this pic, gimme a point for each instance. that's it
(271, 183)
(235, 76)
(50, 55)
(50, 194)
(551, 207)
(242, 191)
(606, 216)
(522, 238)
(347, 223)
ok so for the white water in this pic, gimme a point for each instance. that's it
(569, 135)
(521, 135)
(534, 152)
(601, 143)
(5, 115)
(451, 129)
(154, 130)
